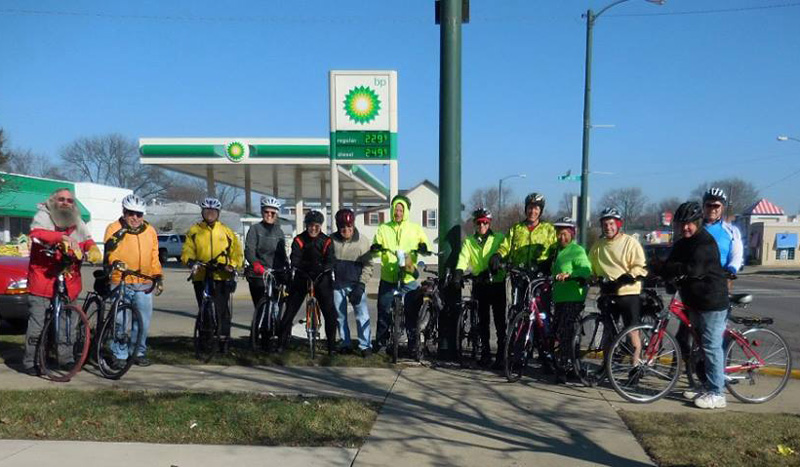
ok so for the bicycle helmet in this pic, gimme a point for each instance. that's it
(314, 217)
(689, 211)
(345, 218)
(535, 199)
(611, 213)
(482, 214)
(715, 194)
(134, 203)
(211, 203)
(270, 202)
(564, 223)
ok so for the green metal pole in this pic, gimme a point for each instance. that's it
(583, 205)
(449, 150)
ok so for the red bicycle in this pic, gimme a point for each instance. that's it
(757, 359)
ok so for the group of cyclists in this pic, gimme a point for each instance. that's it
(706, 252)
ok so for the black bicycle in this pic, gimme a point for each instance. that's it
(208, 325)
(428, 318)
(264, 329)
(597, 330)
(64, 340)
(468, 336)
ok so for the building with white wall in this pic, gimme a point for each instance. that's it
(104, 204)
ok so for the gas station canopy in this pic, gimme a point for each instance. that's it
(293, 169)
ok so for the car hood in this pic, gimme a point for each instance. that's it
(14, 264)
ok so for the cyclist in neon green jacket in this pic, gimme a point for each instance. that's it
(490, 290)
(568, 295)
(399, 235)
(530, 243)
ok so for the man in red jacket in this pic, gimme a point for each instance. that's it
(57, 221)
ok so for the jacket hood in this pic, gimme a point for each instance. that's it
(395, 202)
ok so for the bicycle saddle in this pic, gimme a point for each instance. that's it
(751, 320)
(741, 298)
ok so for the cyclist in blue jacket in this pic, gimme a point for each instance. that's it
(727, 235)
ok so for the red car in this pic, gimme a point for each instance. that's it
(14, 291)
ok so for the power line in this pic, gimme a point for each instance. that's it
(708, 12)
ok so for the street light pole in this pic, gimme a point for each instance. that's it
(500, 191)
(787, 138)
(583, 201)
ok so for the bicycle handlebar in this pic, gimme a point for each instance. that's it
(210, 266)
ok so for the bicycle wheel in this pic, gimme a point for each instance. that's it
(397, 307)
(119, 336)
(519, 347)
(93, 308)
(749, 380)
(206, 332)
(423, 319)
(592, 338)
(463, 332)
(260, 326)
(61, 357)
(652, 373)
(312, 325)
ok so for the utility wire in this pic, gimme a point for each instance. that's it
(708, 12)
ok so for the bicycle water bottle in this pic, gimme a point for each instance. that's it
(401, 258)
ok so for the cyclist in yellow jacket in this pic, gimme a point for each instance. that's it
(395, 239)
(134, 242)
(530, 243)
(490, 289)
(212, 241)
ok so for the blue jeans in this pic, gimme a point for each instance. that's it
(712, 328)
(144, 304)
(340, 295)
(385, 298)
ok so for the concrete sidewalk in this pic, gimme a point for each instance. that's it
(431, 416)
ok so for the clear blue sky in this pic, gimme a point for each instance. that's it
(693, 97)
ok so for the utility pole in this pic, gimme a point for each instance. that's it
(450, 16)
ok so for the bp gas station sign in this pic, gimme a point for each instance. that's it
(363, 106)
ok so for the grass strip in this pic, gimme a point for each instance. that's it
(179, 350)
(184, 418)
(718, 438)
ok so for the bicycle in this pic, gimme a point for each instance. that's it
(268, 312)
(468, 337)
(64, 340)
(428, 318)
(528, 329)
(566, 338)
(207, 326)
(396, 315)
(597, 330)
(313, 312)
(119, 329)
(652, 374)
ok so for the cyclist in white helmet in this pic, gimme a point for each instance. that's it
(212, 241)
(132, 240)
(265, 247)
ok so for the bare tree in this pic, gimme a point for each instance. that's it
(741, 194)
(629, 201)
(565, 205)
(651, 219)
(193, 190)
(113, 160)
(25, 162)
(3, 150)
(487, 198)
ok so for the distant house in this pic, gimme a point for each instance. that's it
(770, 236)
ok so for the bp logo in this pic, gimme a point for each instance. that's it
(362, 104)
(236, 151)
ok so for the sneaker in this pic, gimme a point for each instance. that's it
(142, 361)
(366, 353)
(691, 394)
(32, 371)
(711, 401)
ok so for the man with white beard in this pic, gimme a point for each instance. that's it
(57, 221)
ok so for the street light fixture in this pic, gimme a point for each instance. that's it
(583, 207)
(787, 138)
(500, 190)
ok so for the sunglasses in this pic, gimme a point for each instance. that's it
(134, 214)
(713, 205)
(482, 223)
(66, 200)
(271, 213)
